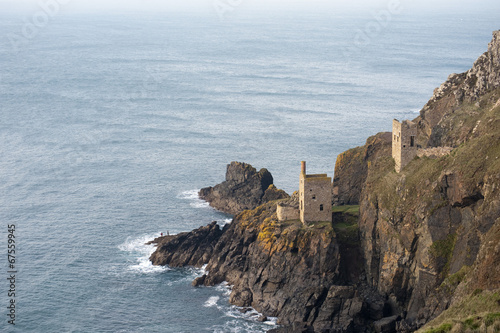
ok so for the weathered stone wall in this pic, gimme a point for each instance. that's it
(315, 194)
(434, 152)
(286, 213)
(396, 145)
(404, 147)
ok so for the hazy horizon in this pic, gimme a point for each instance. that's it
(235, 6)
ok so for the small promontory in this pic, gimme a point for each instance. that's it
(244, 188)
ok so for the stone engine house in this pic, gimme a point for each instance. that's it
(315, 197)
(404, 146)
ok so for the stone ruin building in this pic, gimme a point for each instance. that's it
(404, 146)
(314, 202)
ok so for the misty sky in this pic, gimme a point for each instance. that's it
(208, 6)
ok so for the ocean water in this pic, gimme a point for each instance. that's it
(109, 124)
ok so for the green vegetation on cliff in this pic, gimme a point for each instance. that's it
(479, 312)
(440, 208)
(345, 224)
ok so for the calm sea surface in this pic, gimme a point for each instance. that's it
(110, 124)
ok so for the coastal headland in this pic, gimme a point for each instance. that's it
(417, 249)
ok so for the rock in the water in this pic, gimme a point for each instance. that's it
(199, 281)
(244, 188)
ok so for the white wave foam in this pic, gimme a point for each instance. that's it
(224, 288)
(237, 320)
(137, 248)
(211, 302)
(235, 311)
(192, 195)
(222, 223)
(236, 326)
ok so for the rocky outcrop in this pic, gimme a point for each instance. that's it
(286, 270)
(244, 188)
(436, 120)
(193, 248)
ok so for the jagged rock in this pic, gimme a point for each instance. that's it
(273, 193)
(262, 319)
(267, 264)
(199, 281)
(188, 248)
(289, 271)
(436, 120)
(244, 188)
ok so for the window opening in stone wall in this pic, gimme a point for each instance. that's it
(314, 197)
(412, 141)
(321, 208)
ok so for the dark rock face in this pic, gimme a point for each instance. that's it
(252, 249)
(244, 188)
(188, 248)
(283, 270)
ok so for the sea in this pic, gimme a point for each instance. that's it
(110, 123)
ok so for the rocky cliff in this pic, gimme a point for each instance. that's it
(429, 235)
(305, 276)
(244, 188)
(422, 252)
(438, 125)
